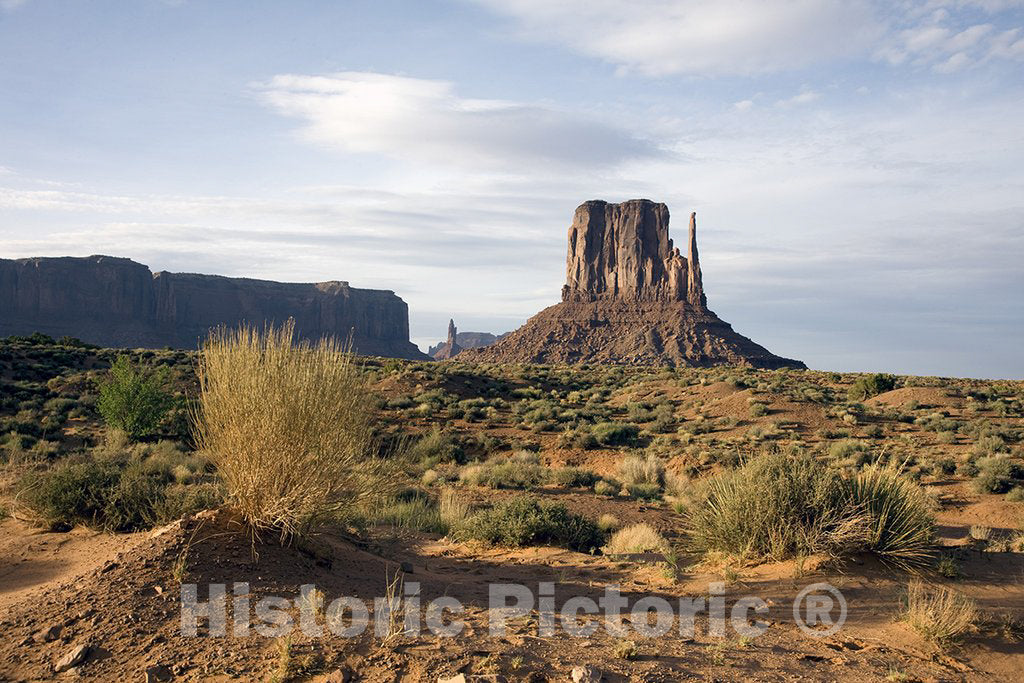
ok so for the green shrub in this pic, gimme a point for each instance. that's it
(899, 512)
(180, 500)
(871, 385)
(125, 495)
(615, 434)
(523, 521)
(996, 474)
(130, 504)
(574, 477)
(411, 510)
(606, 488)
(775, 507)
(850, 452)
(989, 444)
(435, 447)
(132, 400)
(578, 437)
(521, 471)
(72, 493)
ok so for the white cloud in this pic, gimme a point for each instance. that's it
(419, 119)
(743, 105)
(803, 97)
(750, 37)
(658, 37)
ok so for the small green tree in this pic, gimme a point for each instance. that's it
(871, 385)
(132, 400)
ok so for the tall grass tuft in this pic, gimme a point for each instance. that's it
(899, 515)
(636, 538)
(289, 427)
(938, 613)
(776, 507)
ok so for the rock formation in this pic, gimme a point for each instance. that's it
(623, 252)
(451, 347)
(630, 297)
(466, 340)
(118, 302)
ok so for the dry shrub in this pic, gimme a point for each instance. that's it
(608, 523)
(636, 538)
(289, 426)
(644, 470)
(938, 613)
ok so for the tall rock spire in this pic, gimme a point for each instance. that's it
(694, 284)
(451, 347)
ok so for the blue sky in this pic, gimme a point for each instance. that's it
(856, 166)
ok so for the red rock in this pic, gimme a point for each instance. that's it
(630, 297)
(118, 302)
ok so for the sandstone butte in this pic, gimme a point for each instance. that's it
(119, 303)
(630, 297)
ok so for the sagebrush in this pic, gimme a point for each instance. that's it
(289, 426)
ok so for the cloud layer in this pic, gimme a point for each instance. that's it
(419, 119)
(751, 37)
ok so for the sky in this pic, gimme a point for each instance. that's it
(856, 166)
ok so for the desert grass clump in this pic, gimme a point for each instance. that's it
(939, 614)
(453, 508)
(524, 521)
(608, 523)
(899, 512)
(410, 510)
(776, 507)
(519, 471)
(636, 538)
(649, 469)
(289, 426)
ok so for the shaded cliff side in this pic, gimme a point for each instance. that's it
(630, 297)
(117, 302)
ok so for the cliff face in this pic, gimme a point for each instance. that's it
(630, 297)
(623, 252)
(118, 302)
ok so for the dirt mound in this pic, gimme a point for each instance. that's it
(923, 396)
(126, 609)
